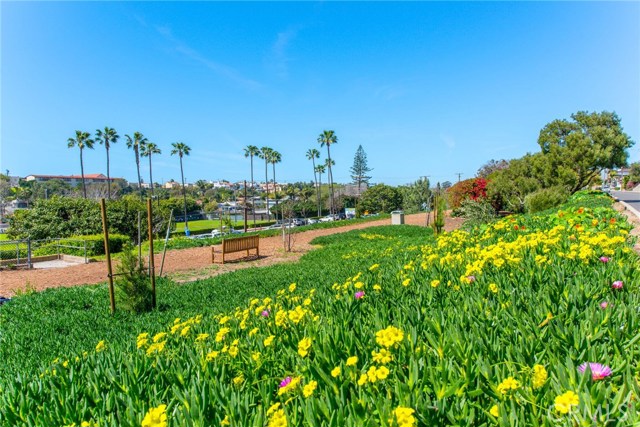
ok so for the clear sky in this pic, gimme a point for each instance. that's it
(426, 88)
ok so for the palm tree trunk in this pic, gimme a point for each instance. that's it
(84, 187)
(108, 176)
(275, 191)
(319, 194)
(266, 180)
(151, 179)
(315, 181)
(330, 178)
(253, 189)
(135, 150)
(184, 197)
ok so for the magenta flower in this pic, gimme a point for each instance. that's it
(359, 294)
(604, 304)
(265, 313)
(604, 259)
(285, 382)
(598, 371)
(618, 284)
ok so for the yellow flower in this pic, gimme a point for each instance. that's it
(238, 380)
(493, 288)
(303, 346)
(224, 320)
(185, 331)
(253, 332)
(291, 386)
(404, 417)
(157, 347)
(156, 417)
(221, 334)
(159, 336)
(141, 342)
(382, 373)
(494, 411)
(306, 302)
(362, 380)
(435, 283)
(352, 361)
(202, 337)
(564, 402)
(377, 287)
(273, 408)
(233, 351)
(373, 267)
(226, 421)
(335, 372)
(308, 389)
(101, 346)
(212, 355)
(539, 376)
(406, 282)
(292, 287)
(267, 341)
(278, 419)
(383, 356)
(508, 384)
(389, 336)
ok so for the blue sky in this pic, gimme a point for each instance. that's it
(426, 88)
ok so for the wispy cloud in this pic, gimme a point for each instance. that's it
(448, 140)
(278, 58)
(389, 92)
(220, 69)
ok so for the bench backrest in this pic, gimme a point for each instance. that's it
(240, 244)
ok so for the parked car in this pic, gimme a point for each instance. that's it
(312, 221)
(299, 222)
(327, 218)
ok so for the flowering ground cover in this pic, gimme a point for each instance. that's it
(531, 320)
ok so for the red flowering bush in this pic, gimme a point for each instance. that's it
(474, 189)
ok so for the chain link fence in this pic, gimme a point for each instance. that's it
(24, 253)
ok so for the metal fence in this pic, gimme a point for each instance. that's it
(23, 253)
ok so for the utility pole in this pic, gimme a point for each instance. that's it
(459, 175)
(426, 203)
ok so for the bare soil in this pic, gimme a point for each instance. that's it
(183, 265)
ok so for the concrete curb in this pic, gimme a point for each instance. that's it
(630, 208)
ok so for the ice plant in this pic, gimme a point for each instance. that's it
(618, 284)
(508, 384)
(359, 294)
(604, 259)
(265, 313)
(598, 371)
(565, 401)
(604, 304)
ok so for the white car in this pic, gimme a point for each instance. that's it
(327, 218)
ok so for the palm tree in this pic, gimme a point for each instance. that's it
(265, 153)
(274, 158)
(81, 141)
(146, 150)
(107, 137)
(136, 143)
(182, 149)
(328, 138)
(320, 169)
(313, 154)
(251, 151)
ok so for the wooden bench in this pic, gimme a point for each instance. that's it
(237, 245)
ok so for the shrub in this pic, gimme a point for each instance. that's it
(474, 189)
(477, 212)
(545, 199)
(133, 290)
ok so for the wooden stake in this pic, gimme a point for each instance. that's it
(105, 231)
(152, 271)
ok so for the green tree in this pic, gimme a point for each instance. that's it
(380, 198)
(252, 151)
(415, 196)
(107, 137)
(329, 138)
(360, 169)
(146, 150)
(265, 154)
(82, 141)
(313, 154)
(182, 149)
(508, 188)
(136, 144)
(490, 167)
(583, 147)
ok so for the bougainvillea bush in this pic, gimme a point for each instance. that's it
(530, 320)
(468, 189)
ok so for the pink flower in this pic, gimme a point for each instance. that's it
(617, 284)
(471, 279)
(265, 313)
(359, 294)
(285, 382)
(604, 304)
(598, 371)
(604, 259)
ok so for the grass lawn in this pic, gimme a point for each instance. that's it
(3, 236)
(210, 224)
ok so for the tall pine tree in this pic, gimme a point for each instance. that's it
(359, 170)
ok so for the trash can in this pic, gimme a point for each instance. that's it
(397, 217)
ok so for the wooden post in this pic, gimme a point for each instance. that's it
(166, 240)
(152, 271)
(107, 252)
(245, 206)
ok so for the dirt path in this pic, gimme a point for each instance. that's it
(187, 264)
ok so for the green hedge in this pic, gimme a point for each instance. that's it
(94, 242)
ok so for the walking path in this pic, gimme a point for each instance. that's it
(184, 265)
